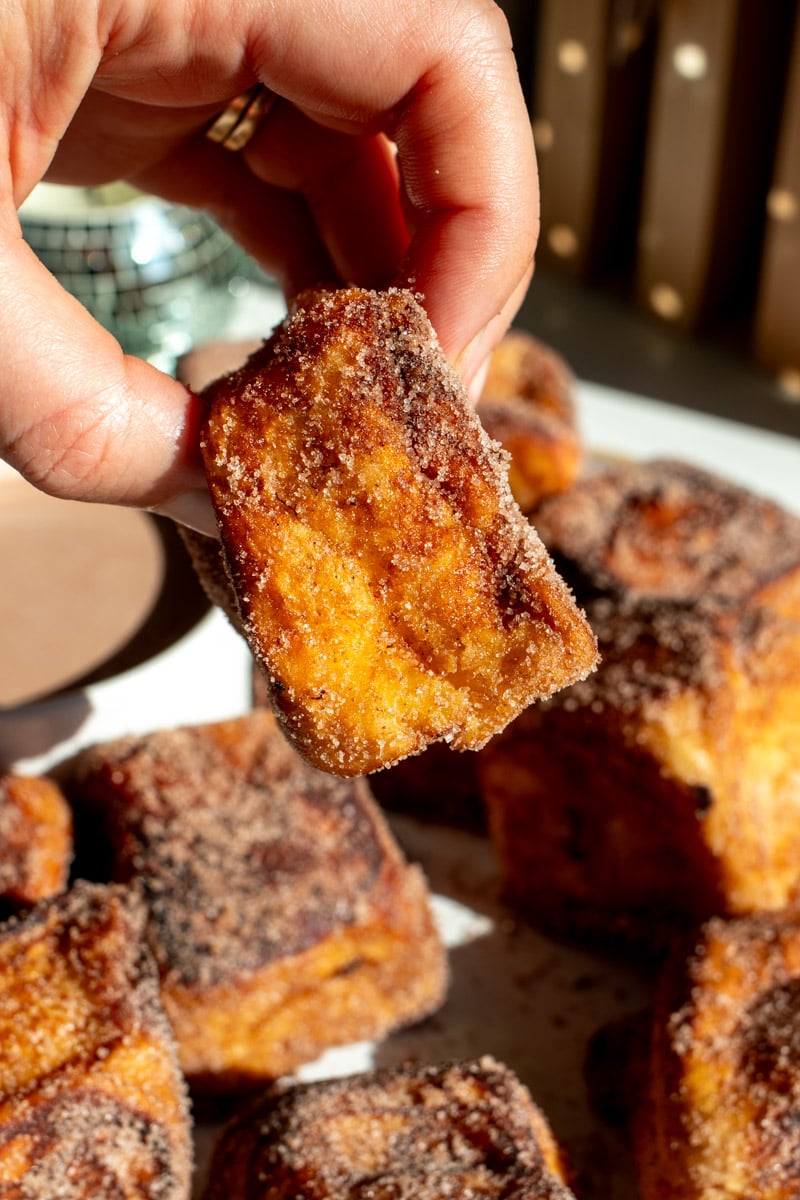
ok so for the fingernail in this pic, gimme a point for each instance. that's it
(190, 508)
(473, 362)
(475, 388)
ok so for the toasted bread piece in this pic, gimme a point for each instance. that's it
(664, 788)
(35, 840)
(388, 584)
(413, 1133)
(720, 1113)
(91, 1099)
(282, 914)
(527, 406)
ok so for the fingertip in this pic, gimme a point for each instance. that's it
(456, 309)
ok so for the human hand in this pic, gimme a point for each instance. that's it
(127, 89)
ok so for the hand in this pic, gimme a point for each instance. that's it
(399, 150)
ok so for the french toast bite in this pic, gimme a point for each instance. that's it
(386, 580)
(412, 1132)
(281, 912)
(35, 840)
(719, 1113)
(666, 787)
(527, 406)
(91, 1099)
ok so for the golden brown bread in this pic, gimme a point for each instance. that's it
(522, 365)
(281, 912)
(412, 1132)
(665, 787)
(719, 1115)
(435, 786)
(35, 840)
(527, 406)
(92, 1103)
(387, 582)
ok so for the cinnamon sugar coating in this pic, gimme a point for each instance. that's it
(35, 840)
(667, 532)
(719, 1113)
(91, 1099)
(282, 914)
(387, 581)
(663, 788)
(527, 406)
(410, 1133)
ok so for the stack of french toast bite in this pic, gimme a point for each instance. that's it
(653, 810)
(253, 912)
(197, 912)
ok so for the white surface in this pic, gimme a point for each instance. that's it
(617, 423)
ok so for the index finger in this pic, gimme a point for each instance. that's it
(441, 81)
(469, 173)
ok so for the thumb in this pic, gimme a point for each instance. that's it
(78, 418)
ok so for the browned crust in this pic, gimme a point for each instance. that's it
(668, 531)
(524, 367)
(91, 1099)
(527, 406)
(661, 789)
(671, 561)
(387, 582)
(595, 839)
(35, 840)
(415, 1133)
(281, 912)
(721, 1111)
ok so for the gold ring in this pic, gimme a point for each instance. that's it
(237, 123)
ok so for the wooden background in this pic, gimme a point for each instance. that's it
(668, 139)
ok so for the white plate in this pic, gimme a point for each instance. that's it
(618, 423)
